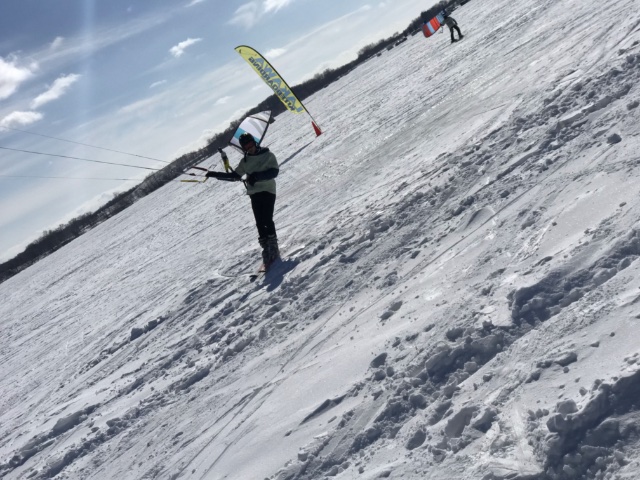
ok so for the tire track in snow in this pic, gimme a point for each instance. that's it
(242, 403)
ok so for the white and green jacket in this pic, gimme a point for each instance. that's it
(260, 169)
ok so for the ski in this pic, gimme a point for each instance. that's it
(280, 265)
(254, 276)
(262, 271)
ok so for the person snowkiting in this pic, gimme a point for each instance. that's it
(452, 24)
(260, 168)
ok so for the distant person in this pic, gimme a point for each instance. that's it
(261, 168)
(453, 25)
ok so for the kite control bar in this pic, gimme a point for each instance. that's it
(195, 175)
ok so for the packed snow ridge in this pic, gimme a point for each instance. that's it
(459, 295)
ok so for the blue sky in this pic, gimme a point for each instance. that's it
(152, 78)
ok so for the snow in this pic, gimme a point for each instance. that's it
(459, 295)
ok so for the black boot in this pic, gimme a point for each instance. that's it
(265, 249)
(272, 248)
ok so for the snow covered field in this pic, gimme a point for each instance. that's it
(459, 296)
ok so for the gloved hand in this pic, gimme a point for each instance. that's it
(213, 174)
(251, 179)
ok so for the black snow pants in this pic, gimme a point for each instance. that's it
(458, 30)
(263, 204)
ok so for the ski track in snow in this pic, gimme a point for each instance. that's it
(459, 296)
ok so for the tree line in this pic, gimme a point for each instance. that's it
(52, 240)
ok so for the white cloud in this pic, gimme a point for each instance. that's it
(59, 88)
(11, 76)
(247, 15)
(77, 48)
(200, 142)
(275, 5)
(318, 51)
(144, 106)
(57, 42)
(223, 100)
(194, 2)
(157, 84)
(20, 118)
(275, 52)
(178, 50)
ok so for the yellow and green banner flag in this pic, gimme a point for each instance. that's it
(272, 78)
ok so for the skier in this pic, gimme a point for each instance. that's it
(261, 168)
(452, 24)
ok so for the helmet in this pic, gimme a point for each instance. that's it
(246, 138)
